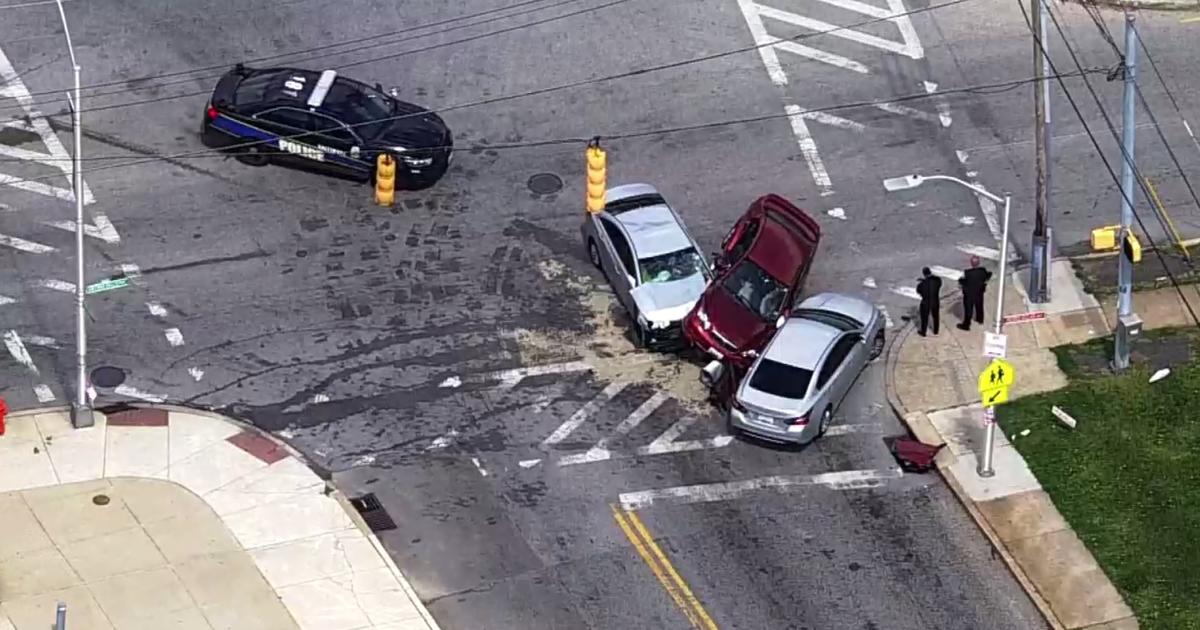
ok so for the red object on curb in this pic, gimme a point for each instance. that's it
(3, 412)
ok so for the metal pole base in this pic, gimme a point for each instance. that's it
(82, 416)
(986, 474)
(1039, 270)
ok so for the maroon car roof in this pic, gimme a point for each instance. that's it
(785, 241)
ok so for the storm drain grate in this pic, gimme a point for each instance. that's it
(372, 512)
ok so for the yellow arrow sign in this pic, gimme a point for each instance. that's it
(998, 373)
(993, 397)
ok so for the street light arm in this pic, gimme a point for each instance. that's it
(977, 189)
(67, 31)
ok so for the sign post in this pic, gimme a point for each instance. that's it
(994, 382)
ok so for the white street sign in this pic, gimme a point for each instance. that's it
(995, 345)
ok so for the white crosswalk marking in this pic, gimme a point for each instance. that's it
(581, 416)
(17, 349)
(599, 451)
(56, 156)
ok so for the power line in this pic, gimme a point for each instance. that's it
(1167, 89)
(972, 89)
(640, 71)
(225, 66)
(1100, 151)
(1107, 34)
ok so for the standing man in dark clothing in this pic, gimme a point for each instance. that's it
(974, 284)
(929, 288)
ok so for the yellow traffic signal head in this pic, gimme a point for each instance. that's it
(1105, 238)
(597, 175)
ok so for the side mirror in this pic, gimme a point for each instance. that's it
(711, 374)
(717, 260)
(378, 87)
(394, 91)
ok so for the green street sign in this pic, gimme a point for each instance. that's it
(107, 285)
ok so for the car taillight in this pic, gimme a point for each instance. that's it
(799, 422)
(212, 112)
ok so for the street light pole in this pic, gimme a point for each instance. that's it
(81, 411)
(1040, 252)
(989, 414)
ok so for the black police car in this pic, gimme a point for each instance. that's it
(322, 122)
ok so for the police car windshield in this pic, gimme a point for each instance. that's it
(364, 109)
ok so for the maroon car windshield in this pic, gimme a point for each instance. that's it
(755, 289)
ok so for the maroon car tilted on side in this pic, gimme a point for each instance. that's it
(760, 272)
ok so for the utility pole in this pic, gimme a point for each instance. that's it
(81, 409)
(1039, 270)
(1128, 324)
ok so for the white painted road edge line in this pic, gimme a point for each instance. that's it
(908, 292)
(443, 441)
(946, 272)
(860, 427)
(156, 309)
(17, 349)
(479, 466)
(24, 245)
(983, 252)
(57, 285)
(808, 147)
(44, 393)
(133, 392)
(4, 299)
(579, 417)
(707, 493)
(174, 337)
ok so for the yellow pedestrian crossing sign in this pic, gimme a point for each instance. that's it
(994, 382)
(993, 397)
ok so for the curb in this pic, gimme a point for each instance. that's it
(943, 466)
(330, 490)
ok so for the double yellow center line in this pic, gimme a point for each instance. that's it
(654, 558)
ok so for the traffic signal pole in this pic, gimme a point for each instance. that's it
(1127, 324)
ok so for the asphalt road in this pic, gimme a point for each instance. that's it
(389, 344)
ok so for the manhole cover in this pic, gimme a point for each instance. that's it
(108, 376)
(545, 183)
(100, 499)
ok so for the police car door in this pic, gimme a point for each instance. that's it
(341, 147)
(294, 129)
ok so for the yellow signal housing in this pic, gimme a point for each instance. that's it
(1105, 238)
(385, 180)
(597, 175)
(1132, 248)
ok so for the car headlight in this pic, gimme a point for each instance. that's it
(650, 323)
(417, 161)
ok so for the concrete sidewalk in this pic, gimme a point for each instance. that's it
(932, 387)
(166, 518)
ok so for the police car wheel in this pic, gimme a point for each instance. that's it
(253, 157)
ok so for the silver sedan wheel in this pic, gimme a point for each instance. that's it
(593, 253)
(826, 420)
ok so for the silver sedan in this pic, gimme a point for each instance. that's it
(652, 263)
(791, 392)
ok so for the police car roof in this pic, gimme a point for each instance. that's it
(293, 86)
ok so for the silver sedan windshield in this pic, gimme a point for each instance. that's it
(670, 267)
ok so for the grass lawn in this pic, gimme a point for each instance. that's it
(1127, 478)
